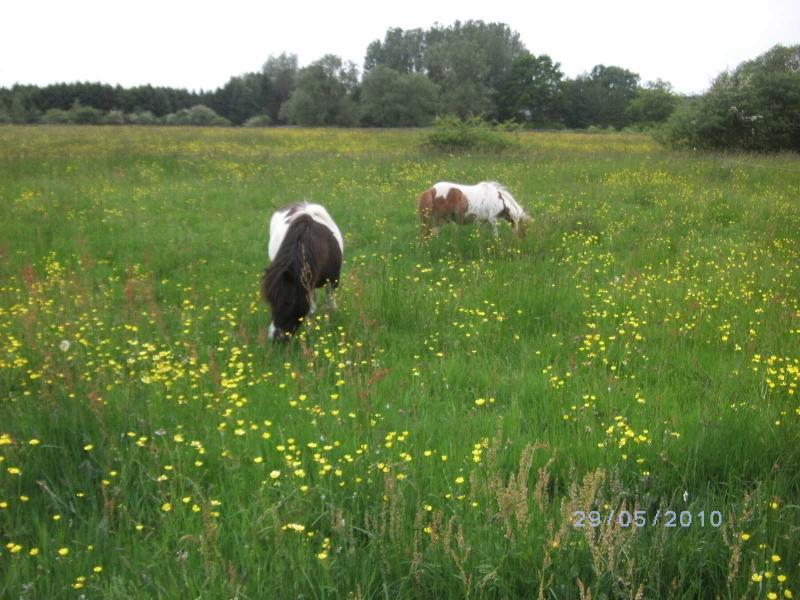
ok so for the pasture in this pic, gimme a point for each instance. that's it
(636, 353)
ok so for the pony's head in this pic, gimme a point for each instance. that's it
(520, 222)
(288, 282)
(288, 296)
(514, 213)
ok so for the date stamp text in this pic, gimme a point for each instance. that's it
(640, 518)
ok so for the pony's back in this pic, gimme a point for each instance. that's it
(282, 219)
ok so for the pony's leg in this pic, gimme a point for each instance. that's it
(494, 228)
(436, 225)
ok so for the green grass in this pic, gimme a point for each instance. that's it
(434, 437)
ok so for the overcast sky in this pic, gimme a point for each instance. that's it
(198, 45)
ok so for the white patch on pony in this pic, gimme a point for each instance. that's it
(271, 332)
(283, 218)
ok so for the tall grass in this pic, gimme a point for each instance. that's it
(435, 437)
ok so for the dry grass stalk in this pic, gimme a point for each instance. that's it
(540, 494)
(585, 593)
(733, 540)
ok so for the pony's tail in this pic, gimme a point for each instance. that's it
(425, 211)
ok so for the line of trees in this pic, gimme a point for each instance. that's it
(466, 69)
(409, 77)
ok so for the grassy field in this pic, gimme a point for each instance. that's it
(446, 433)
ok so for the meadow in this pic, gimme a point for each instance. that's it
(607, 407)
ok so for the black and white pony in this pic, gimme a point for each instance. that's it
(305, 250)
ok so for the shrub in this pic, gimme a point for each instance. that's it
(258, 121)
(451, 134)
(755, 107)
(114, 117)
(144, 117)
(84, 115)
(55, 116)
(199, 114)
(600, 129)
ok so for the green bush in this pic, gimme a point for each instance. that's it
(452, 134)
(755, 108)
(600, 129)
(258, 121)
(199, 114)
(84, 115)
(114, 117)
(55, 116)
(144, 117)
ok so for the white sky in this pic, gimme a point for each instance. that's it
(200, 45)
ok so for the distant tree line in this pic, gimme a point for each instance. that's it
(467, 70)
(411, 76)
(255, 97)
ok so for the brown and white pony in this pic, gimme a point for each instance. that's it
(305, 250)
(485, 201)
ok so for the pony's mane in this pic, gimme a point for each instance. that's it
(289, 259)
(499, 186)
(506, 194)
